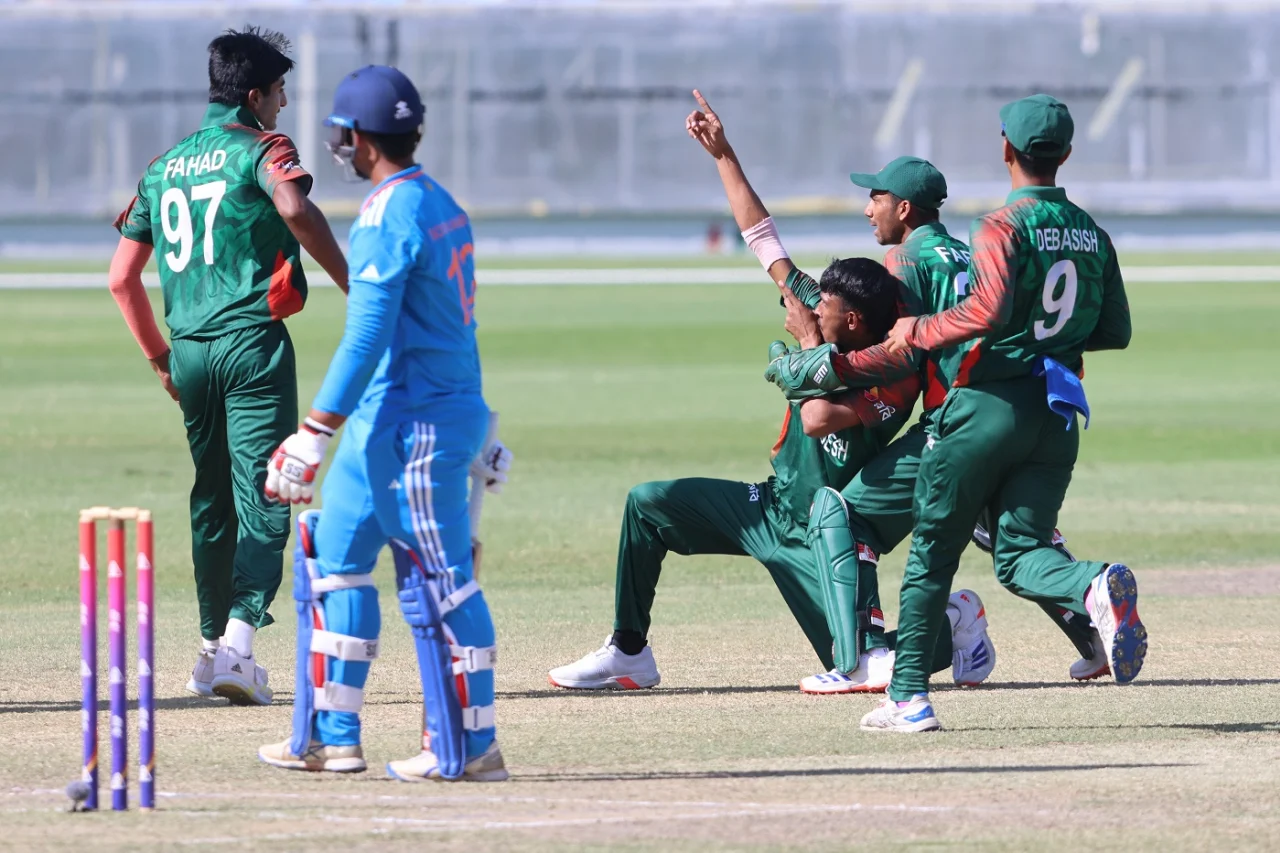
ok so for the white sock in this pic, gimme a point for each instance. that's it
(878, 653)
(208, 647)
(240, 637)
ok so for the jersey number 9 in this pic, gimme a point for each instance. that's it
(179, 232)
(1064, 304)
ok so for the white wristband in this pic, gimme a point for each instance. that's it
(318, 428)
(762, 239)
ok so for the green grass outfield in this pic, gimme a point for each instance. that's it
(600, 388)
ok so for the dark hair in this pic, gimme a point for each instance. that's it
(240, 62)
(1040, 168)
(395, 146)
(867, 287)
(923, 214)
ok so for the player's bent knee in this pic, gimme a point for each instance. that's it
(646, 497)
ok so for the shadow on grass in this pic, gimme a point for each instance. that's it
(1106, 682)
(793, 688)
(655, 691)
(168, 703)
(1219, 728)
(624, 776)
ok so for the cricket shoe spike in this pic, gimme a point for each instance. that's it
(607, 668)
(488, 766)
(201, 681)
(1087, 669)
(908, 718)
(1114, 609)
(874, 672)
(973, 655)
(238, 679)
(318, 758)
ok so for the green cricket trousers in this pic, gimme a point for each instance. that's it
(993, 448)
(239, 398)
(705, 516)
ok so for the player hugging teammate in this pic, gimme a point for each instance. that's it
(996, 337)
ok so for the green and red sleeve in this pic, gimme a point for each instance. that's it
(875, 407)
(134, 222)
(277, 162)
(992, 267)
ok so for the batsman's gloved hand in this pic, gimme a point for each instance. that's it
(491, 465)
(291, 473)
(804, 373)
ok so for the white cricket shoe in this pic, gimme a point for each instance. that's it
(1087, 669)
(874, 672)
(607, 668)
(319, 757)
(239, 679)
(1114, 599)
(915, 716)
(488, 766)
(201, 681)
(973, 655)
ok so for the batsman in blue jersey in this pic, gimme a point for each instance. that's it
(406, 382)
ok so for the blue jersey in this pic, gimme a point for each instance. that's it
(410, 339)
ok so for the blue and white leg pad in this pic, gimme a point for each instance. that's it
(313, 690)
(444, 664)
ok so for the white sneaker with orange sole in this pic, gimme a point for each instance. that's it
(874, 672)
(607, 668)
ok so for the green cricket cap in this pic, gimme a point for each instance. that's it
(916, 180)
(1040, 126)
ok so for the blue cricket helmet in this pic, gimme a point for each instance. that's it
(377, 99)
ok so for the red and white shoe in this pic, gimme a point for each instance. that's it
(973, 655)
(1087, 669)
(1113, 604)
(607, 668)
(874, 672)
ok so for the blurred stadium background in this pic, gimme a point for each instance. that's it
(559, 122)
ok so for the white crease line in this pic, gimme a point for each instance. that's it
(429, 824)
(426, 800)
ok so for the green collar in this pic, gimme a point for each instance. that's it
(220, 114)
(929, 229)
(1042, 193)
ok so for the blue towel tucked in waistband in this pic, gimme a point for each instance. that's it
(1063, 390)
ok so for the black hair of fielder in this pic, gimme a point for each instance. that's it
(244, 60)
(867, 287)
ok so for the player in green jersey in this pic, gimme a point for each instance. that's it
(1045, 287)
(823, 443)
(225, 210)
(903, 208)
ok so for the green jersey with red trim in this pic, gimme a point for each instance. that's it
(802, 464)
(226, 258)
(1043, 281)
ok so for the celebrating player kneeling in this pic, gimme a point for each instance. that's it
(822, 446)
(406, 381)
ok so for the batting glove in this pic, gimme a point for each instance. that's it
(491, 465)
(291, 473)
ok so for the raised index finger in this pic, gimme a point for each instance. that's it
(702, 102)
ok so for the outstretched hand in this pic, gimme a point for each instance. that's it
(705, 127)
